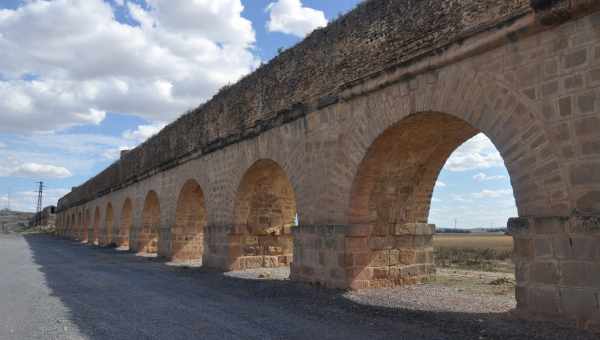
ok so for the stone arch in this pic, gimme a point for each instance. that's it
(126, 225)
(78, 232)
(96, 227)
(149, 234)
(391, 197)
(67, 225)
(509, 119)
(264, 214)
(108, 225)
(72, 225)
(386, 185)
(86, 224)
(187, 235)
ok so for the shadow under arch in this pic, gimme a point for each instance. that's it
(107, 237)
(187, 235)
(85, 227)
(77, 233)
(96, 227)
(391, 197)
(126, 224)
(264, 214)
(72, 225)
(149, 233)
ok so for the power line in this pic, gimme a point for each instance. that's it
(40, 198)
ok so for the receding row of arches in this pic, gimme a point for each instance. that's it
(265, 212)
(390, 201)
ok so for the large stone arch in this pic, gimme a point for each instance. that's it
(149, 234)
(512, 122)
(432, 113)
(187, 235)
(264, 214)
(107, 235)
(96, 227)
(126, 224)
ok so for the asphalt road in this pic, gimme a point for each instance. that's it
(59, 289)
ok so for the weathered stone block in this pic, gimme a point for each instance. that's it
(580, 274)
(523, 248)
(414, 229)
(545, 272)
(584, 225)
(544, 300)
(575, 59)
(543, 247)
(579, 303)
(550, 225)
(518, 226)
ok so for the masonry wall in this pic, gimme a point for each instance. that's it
(377, 35)
(534, 90)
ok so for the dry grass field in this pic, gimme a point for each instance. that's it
(476, 251)
(497, 242)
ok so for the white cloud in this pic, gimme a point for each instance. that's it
(477, 153)
(440, 184)
(56, 76)
(143, 132)
(120, 2)
(11, 168)
(35, 170)
(291, 17)
(493, 193)
(81, 153)
(482, 177)
(2, 145)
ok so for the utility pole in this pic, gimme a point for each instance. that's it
(40, 198)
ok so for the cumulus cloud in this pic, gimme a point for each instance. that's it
(477, 153)
(58, 75)
(482, 177)
(33, 170)
(143, 132)
(291, 17)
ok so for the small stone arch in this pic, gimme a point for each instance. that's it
(78, 232)
(108, 225)
(187, 235)
(126, 224)
(265, 213)
(149, 234)
(96, 227)
(72, 225)
(86, 225)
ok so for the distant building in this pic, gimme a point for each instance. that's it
(47, 217)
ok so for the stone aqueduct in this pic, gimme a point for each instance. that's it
(349, 130)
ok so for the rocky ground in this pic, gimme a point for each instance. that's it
(58, 289)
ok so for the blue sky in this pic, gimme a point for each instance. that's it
(82, 79)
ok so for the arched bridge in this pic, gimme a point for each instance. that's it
(325, 159)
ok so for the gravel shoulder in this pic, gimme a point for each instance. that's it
(59, 289)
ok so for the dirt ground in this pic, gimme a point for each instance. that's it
(60, 289)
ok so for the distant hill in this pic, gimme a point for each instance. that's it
(13, 220)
